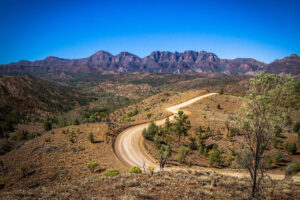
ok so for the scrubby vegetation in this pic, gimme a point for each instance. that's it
(135, 170)
(111, 172)
(92, 166)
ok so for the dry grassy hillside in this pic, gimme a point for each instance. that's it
(59, 156)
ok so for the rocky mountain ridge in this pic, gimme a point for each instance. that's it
(157, 62)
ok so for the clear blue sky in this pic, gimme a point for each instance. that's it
(35, 29)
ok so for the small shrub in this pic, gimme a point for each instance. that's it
(24, 135)
(205, 153)
(229, 159)
(288, 121)
(52, 132)
(76, 122)
(92, 166)
(269, 161)
(193, 142)
(22, 169)
(278, 131)
(156, 141)
(296, 128)
(71, 138)
(47, 125)
(219, 106)
(275, 143)
(111, 172)
(149, 115)
(277, 157)
(292, 169)
(182, 153)
(151, 169)
(221, 91)
(48, 139)
(214, 156)
(291, 147)
(91, 138)
(200, 149)
(12, 138)
(190, 162)
(135, 170)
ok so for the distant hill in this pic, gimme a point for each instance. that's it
(31, 94)
(157, 62)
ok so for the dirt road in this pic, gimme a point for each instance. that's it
(130, 149)
(129, 144)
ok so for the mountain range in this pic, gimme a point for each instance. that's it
(103, 62)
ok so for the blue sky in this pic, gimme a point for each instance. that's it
(34, 29)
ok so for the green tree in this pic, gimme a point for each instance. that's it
(151, 131)
(182, 153)
(156, 141)
(168, 124)
(181, 125)
(199, 131)
(214, 155)
(269, 98)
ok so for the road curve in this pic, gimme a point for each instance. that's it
(129, 143)
(130, 150)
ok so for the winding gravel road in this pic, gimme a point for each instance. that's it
(130, 150)
(129, 144)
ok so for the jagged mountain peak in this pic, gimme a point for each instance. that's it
(157, 62)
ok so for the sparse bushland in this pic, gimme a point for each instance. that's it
(111, 172)
(269, 97)
(135, 170)
(92, 166)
